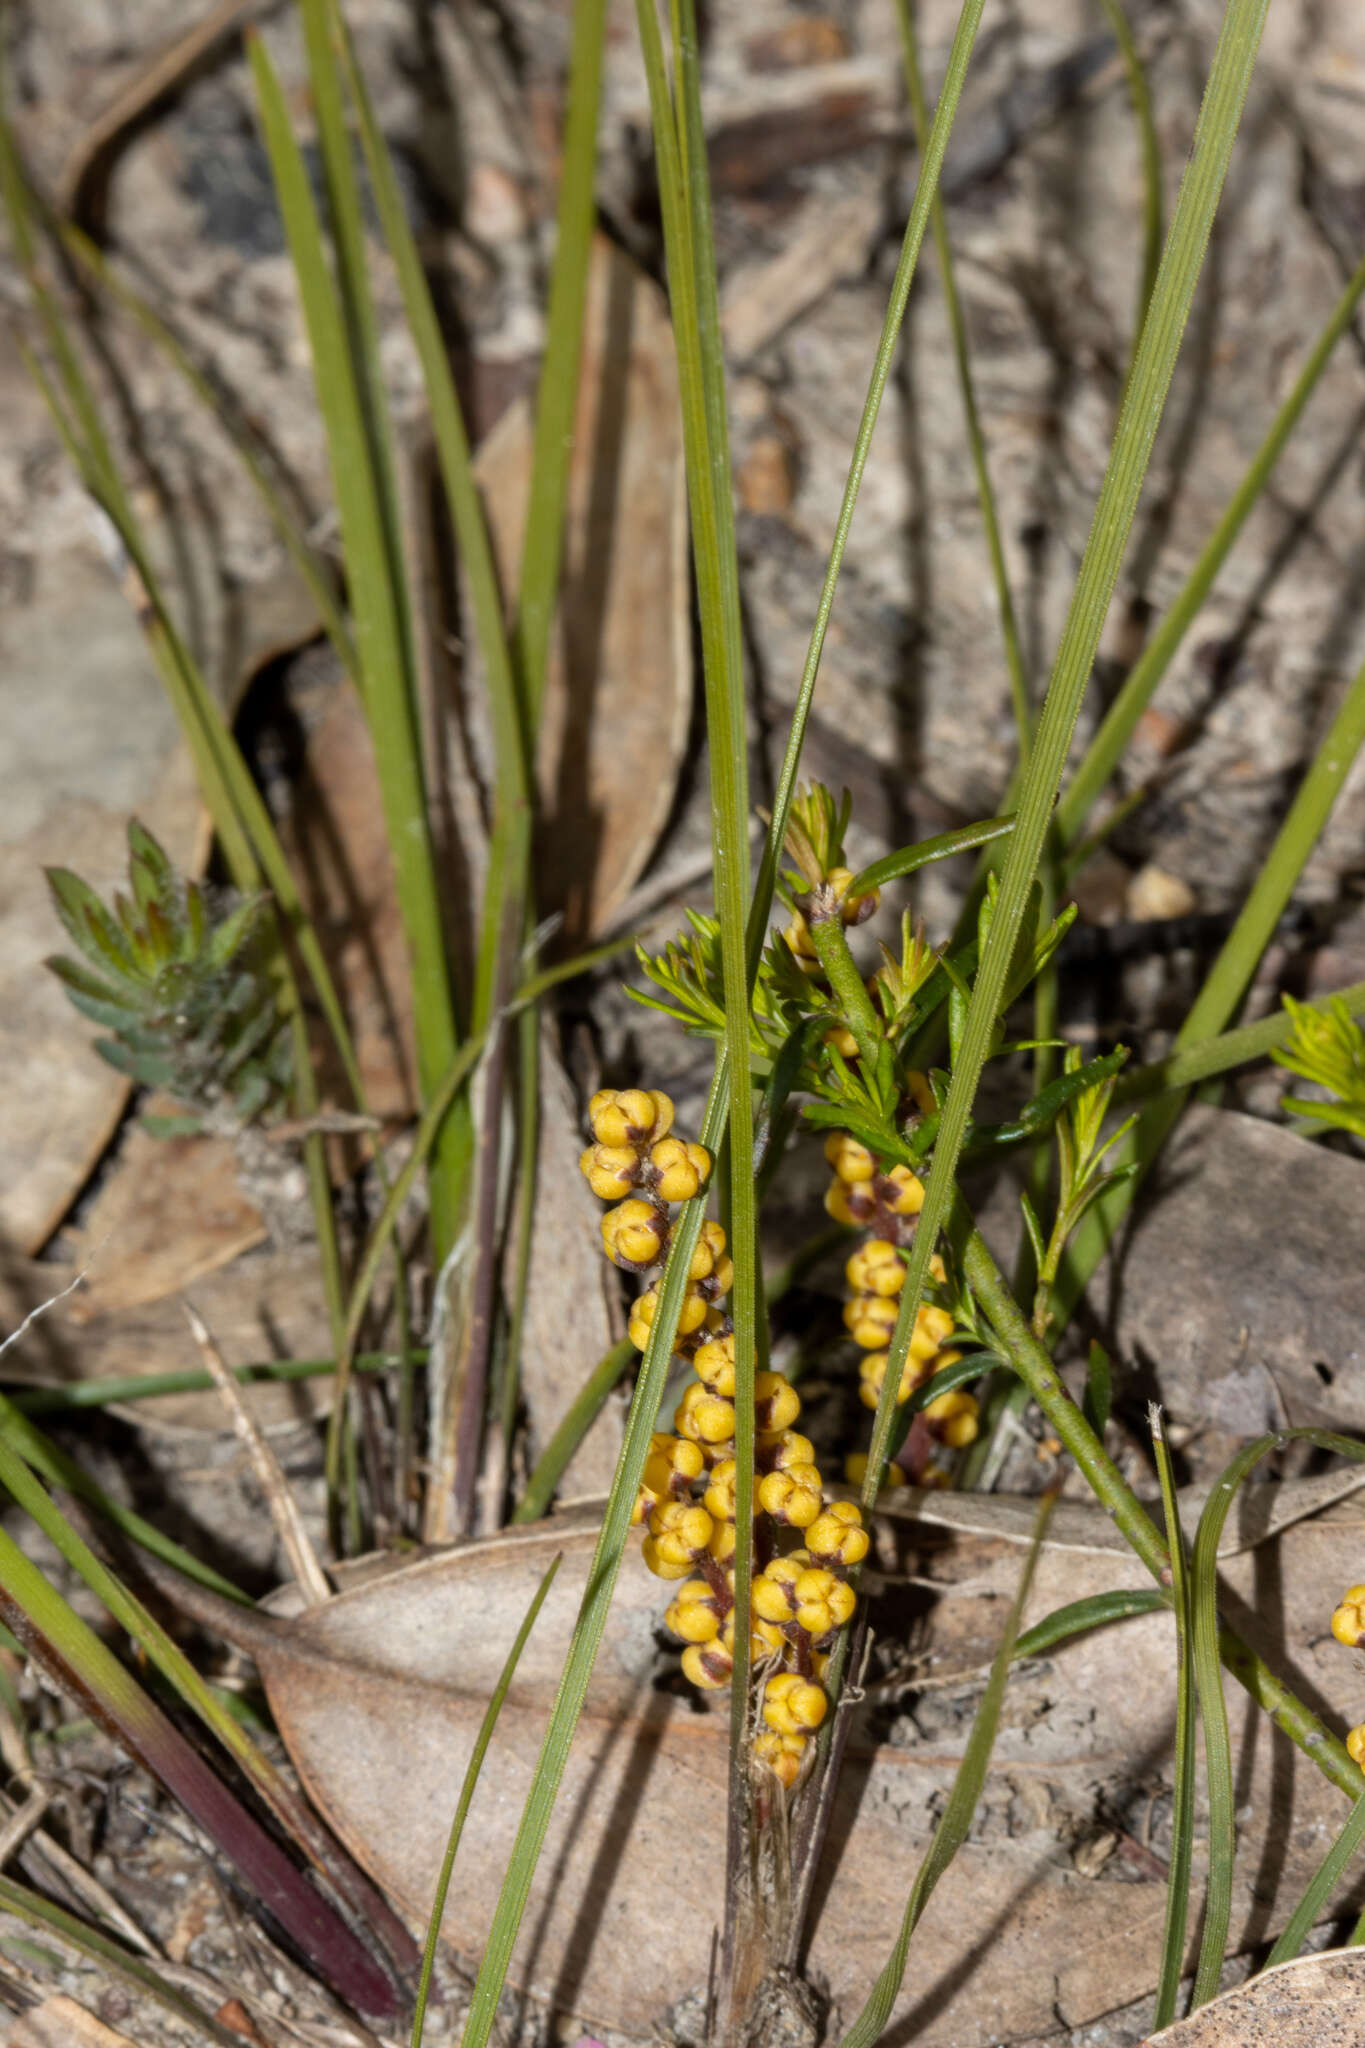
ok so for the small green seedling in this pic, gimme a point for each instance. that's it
(187, 994)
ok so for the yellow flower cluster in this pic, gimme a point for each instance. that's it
(801, 1599)
(1348, 1626)
(886, 1204)
(636, 1156)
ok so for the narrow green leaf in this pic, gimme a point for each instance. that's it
(592, 1616)
(378, 601)
(1312, 1907)
(931, 163)
(1120, 721)
(909, 859)
(471, 1779)
(89, 1942)
(951, 1831)
(1114, 513)
(1096, 1611)
(1186, 1716)
(1208, 1677)
(578, 1419)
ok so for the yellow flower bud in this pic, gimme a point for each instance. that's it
(1355, 1746)
(908, 1199)
(870, 1320)
(707, 1665)
(720, 1494)
(1348, 1623)
(635, 1233)
(627, 1116)
(779, 1453)
(780, 1754)
(935, 1477)
(795, 1496)
(661, 1566)
(671, 1466)
(681, 1531)
(855, 1465)
(797, 936)
(772, 1596)
(850, 1159)
(704, 1417)
(776, 1402)
(722, 1544)
(714, 1365)
(792, 1705)
(822, 1601)
(921, 1093)
(953, 1419)
(611, 1170)
(852, 909)
(683, 1169)
(710, 1248)
(693, 1614)
(838, 1537)
(876, 1268)
(843, 1041)
(691, 1316)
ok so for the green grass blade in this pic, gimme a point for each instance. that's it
(346, 220)
(1186, 1713)
(908, 860)
(931, 163)
(1313, 1904)
(1120, 721)
(176, 1669)
(1117, 505)
(976, 439)
(377, 608)
(26, 1400)
(951, 1831)
(680, 153)
(48, 1918)
(312, 566)
(1150, 145)
(1208, 1677)
(1098, 1610)
(557, 394)
(1213, 1056)
(53, 1464)
(72, 1654)
(592, 1617)
(583, 1411)
(471, 1779)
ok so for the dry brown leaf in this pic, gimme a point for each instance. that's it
(60, 2023)
(619, 693)
(378, 1696)
(1314, 2002)
(171, 1212)
(266, 1305)
(88, 740)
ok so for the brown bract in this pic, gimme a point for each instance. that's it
(379, 1695)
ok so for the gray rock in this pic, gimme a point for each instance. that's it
(1242, 1284)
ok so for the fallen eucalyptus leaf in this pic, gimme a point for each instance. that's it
(1313, 2002)
(379, 1693)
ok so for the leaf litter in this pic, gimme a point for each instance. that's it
(378, 1696)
